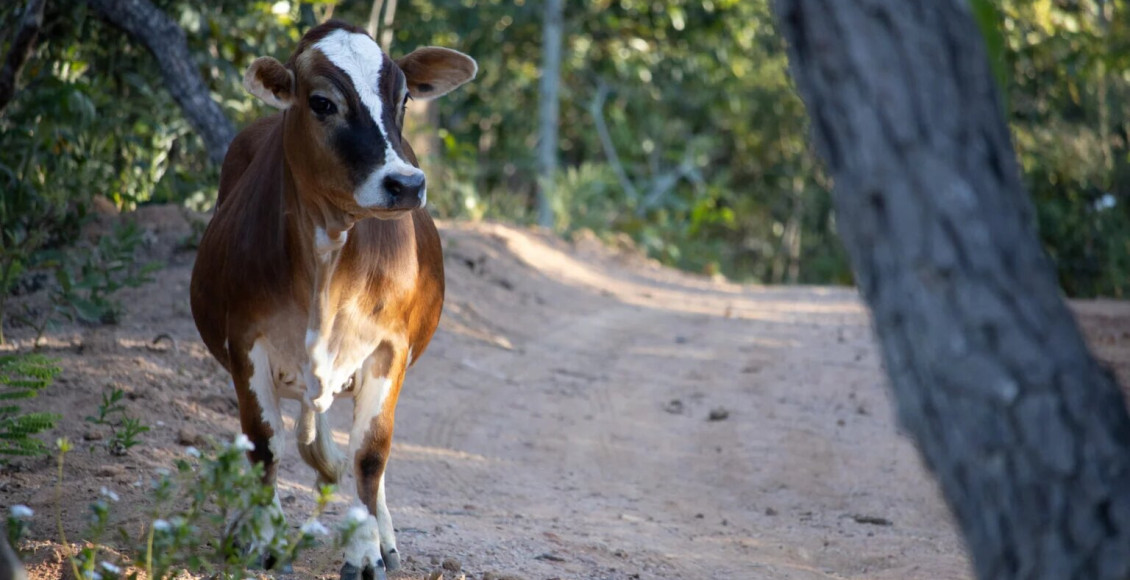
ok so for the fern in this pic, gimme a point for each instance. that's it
(23, 376)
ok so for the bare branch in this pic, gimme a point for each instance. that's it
(22, 45)
(374, 18)
(386, 25)
(667, 181)
(166, 41)
(596, 108)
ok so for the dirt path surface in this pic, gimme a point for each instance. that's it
(581, 413)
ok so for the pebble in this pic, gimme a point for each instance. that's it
(188, 436)
(718, 414)
(111, 470)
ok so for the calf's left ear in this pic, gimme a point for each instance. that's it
(433, 71)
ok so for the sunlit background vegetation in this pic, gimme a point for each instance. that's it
(679, 125)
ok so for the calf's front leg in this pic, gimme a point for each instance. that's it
(261, 420)
(372, 550)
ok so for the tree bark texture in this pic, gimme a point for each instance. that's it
(166, 41)
(1027, 434)
(548, 108)
(22, 44)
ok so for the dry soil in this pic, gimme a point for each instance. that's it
(581, 413)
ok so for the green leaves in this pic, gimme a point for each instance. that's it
(123, 428)
(22, 376)
(989, 21)
(88, 276)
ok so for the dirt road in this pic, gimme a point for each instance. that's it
(582, 413)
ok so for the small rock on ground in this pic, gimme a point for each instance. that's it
(718, 414)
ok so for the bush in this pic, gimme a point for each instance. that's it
(212, 516)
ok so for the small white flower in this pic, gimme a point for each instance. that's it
(161, 525)
(91, 575)
(160, 423)
(21, 512)
(192, 452)
(243, 443)
(111, 568)
(314, 528)
(109, 493)
(357, 514)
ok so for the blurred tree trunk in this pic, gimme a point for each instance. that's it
(548, 107)
(23, 42)
(10, 566)
(381, 17)
(165, 40)
(1027, 434)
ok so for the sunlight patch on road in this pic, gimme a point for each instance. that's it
(716, 298)
(409, 451)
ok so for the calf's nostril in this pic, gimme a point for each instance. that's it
(401, 185)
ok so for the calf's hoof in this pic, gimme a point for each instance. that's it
(270, 562)
(367, 572)
(392, 559)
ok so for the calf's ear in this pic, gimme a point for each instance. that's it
(433, 71)
(272, 82)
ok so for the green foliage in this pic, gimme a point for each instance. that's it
(213, 516)
(23, 376)
(700, 112)
(123, 428)
(1069, 111)
(92, 119)
(705, 163)
(89, 275)
(988, 20)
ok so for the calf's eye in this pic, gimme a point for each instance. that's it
(322, 106)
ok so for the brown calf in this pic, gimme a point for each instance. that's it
(321, 275)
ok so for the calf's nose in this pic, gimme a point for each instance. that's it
(403, 186)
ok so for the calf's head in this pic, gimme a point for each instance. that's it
(344, 103)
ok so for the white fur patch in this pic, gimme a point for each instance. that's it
(368, 400)
(364, 545)
(324, 245)
(362, 60)
(263, 385)
(384, 520)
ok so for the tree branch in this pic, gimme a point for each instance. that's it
(661, 184)
(22, 45)
(165, 40)
(596, 108)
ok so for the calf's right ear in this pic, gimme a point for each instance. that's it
(272, 82)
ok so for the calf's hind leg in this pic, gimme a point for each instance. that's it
(373, 548)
